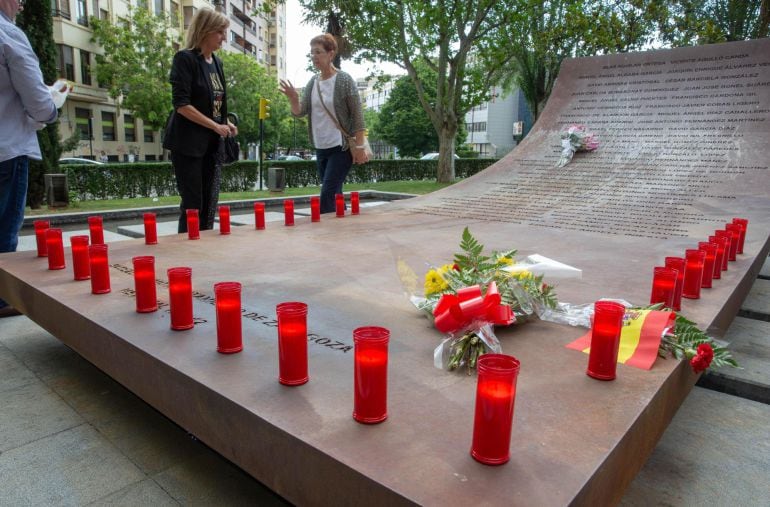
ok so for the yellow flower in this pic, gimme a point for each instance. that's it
(446, 268)
(434, 283)
(523, 274)
(505, 261)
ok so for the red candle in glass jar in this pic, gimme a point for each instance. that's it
(96, 229)
(663, 286)
(292, 343)
(144, 284)
(744, 223)
(229, 328)
(55, 247)
(315, 209)
(100, 269)
(677, 263)
(735, 239)
(224, 219)
(288, 212)
(150, 229)
(724, 237)
(180, 298)
(493, 417)
(693, 273)
(719, 255)
(355, 203)
(40, 227)
(80, 261)
(709, 263)
(259, 215)
(339, 201)
(605, 340)
(370, 367)
(193, 224)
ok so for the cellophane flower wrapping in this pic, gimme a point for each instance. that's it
(576, 138)
(469, 296)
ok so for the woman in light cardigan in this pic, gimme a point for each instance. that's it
(336, 120)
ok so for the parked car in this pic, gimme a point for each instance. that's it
(76, 160)
(288, 157)
(433, 156)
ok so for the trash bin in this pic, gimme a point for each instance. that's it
(56, 190)
(276, 179)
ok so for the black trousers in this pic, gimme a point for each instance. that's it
(197, 179)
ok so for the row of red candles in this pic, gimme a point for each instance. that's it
(497, 373)
(680, 277)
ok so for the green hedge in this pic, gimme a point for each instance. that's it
(155, 179)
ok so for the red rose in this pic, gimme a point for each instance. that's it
(456, 267)
(699, 363)
(705, 350)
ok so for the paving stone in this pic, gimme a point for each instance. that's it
(166, 228)
(72, 467)
(31, 412)
(765, 271)
(249, 219)
(29, 242)
(146, 492)
(14, 373)
(715, 452)
(211, 480)
(757, 303)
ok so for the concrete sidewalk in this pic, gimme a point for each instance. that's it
(70, 435)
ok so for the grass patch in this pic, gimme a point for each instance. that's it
(405, 187)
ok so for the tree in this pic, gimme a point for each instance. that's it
(686, 22)
(37, 23)
(444, 35)
(403, 123)
(136, 63)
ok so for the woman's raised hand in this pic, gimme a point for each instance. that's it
(288, 89)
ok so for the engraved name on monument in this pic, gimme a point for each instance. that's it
(679, 135)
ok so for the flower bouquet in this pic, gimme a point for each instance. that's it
(474, 293)
(690, 343)
(576, 138)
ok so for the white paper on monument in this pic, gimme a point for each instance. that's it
(540, 265)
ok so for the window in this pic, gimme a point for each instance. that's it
(82, 120)
(82, 12)
(479, 126)
(129, 128)
(149, 135)
(65, 62)
(108, 126)
(174, 13)
(85, 67)
(189, 12)
(158, 7)
(60, 8)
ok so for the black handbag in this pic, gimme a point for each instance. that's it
(229, 149)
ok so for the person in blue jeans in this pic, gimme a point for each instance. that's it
(336, 119)
(25, 107)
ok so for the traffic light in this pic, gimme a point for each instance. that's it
(264, 109)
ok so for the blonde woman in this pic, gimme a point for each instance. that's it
(199, 98)
(336, 120)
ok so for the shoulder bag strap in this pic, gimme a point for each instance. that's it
(321, 99)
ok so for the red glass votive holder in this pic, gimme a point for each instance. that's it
(495, 398)
(605, 340)
(719, 253)
(100, 269)
(224, 219)
(150, 229)
(193, 224)
(144, 284)
(315, 209)
(663, 286)
(40, 227)
(693, 273)
(96, 229)
(288, 212)
(370, 367)
(259, 215)
(339, 201)
(180, 298)
(355, 203)
(723, 246)
(735, 239)
(55, 248)
(677, 263)
(744, 223)
(709, 263)
(229, 328)
(292, 343)
(80, 260)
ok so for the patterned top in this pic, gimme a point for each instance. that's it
(347, 106)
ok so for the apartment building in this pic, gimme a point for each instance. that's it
(116, 135)
(491, 126)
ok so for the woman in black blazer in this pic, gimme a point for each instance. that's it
(200, 120)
